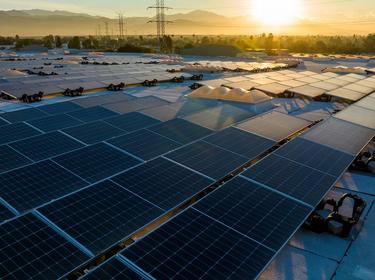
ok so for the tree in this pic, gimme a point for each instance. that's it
(49, 41)
(75, 43)
(58, 42)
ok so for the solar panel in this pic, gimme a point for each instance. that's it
(325, 85)
(194, 246)
(181, 131)
(16, 131)
(214, 83)
(11, 159)
(3, 122)
(145, 144)
(346, 94)
(136, 105)
(248, 85)
(112, 270)
(274, 125)
(357, 115)
(307, 80)
(96, 162)
(163, 182)
(291, 178)
(274, 88)
(56, 122)
(341, 135)
(100, 216)
(5, 213)
(35, 251)
(316, 156)
(208, 159)
(92, 114)
(308, 91)
(94, 132)
(93, 101)
(338, 82)
(359, 88)
(292, 83)
(240, 142)
(23, 115)
(132, 121)
(59, 108)
(259, 213)
(368, 103)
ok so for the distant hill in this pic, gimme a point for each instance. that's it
(43, 22)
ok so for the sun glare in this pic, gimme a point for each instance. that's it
(276, 12)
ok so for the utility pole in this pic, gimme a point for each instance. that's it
(160, 21)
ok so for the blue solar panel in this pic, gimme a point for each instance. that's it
(57, 122)
(28, 187)
(15, 132)
(240, 142)
(5, 213)
(194, 246)
(100, 216)
(132, 121)
(261, 214)
(145, 144)
(32, 250)
(181, 131)
(23, 115)
(97, 162)
(94, 132)
(317, 156)
(3, 122)
(11, 159)
(92, 114)
(291, 178)
(112, 270)
(60, 108)
(45, 146)
(210, 160)
(163, 182)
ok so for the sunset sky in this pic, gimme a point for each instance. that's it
(329, 10)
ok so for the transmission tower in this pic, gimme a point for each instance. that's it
(160, 21)
(106, 29)
(121, 23)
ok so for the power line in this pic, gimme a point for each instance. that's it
(160, 21)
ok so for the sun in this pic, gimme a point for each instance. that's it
(276, 12)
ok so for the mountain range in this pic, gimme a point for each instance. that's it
(43, 22)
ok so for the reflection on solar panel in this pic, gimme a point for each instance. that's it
(292, 83)
(341, 135)
(145, 144)
(16, 131)
(163, 183)
(316, 156)
(101, 215)
(45, 146)
(240, 142)
(52, 123)
(23, 115)
(346, 94)
(325, 85)
(112, 270)
(132, 121)
(181, 131)
(194, 246)
(5, 214)
(94, 132)
(103, 99)
(60, 108)
(35, 251)
(11, 159)
(96, 162)
(359, 88)
(210, 160)
(308, 91)
(136, 105)
(357, 115)
(274, 88)
(92, 114)
(274, 125)
(248, 85)
(291, 178)
(261, 214)
(368, 103)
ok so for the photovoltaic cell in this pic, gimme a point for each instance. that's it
(28, 187)
(291, 178)
(163, 182)
(112, 270)
(96, 162)
(94, 132)
(145, 144)
(132, 121)
(101, 215)
(210, 160)
(46, 145)
(240, 142)
(15, 132)
(23, 115)
(261, 214)
(3, 122)
(181, 131)
(5, 213)
(35, 251)
(11, 159)
(194, 246)
(358, 115)
(56, 122)
(316, 156)
(92, 114)
(60, 108)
